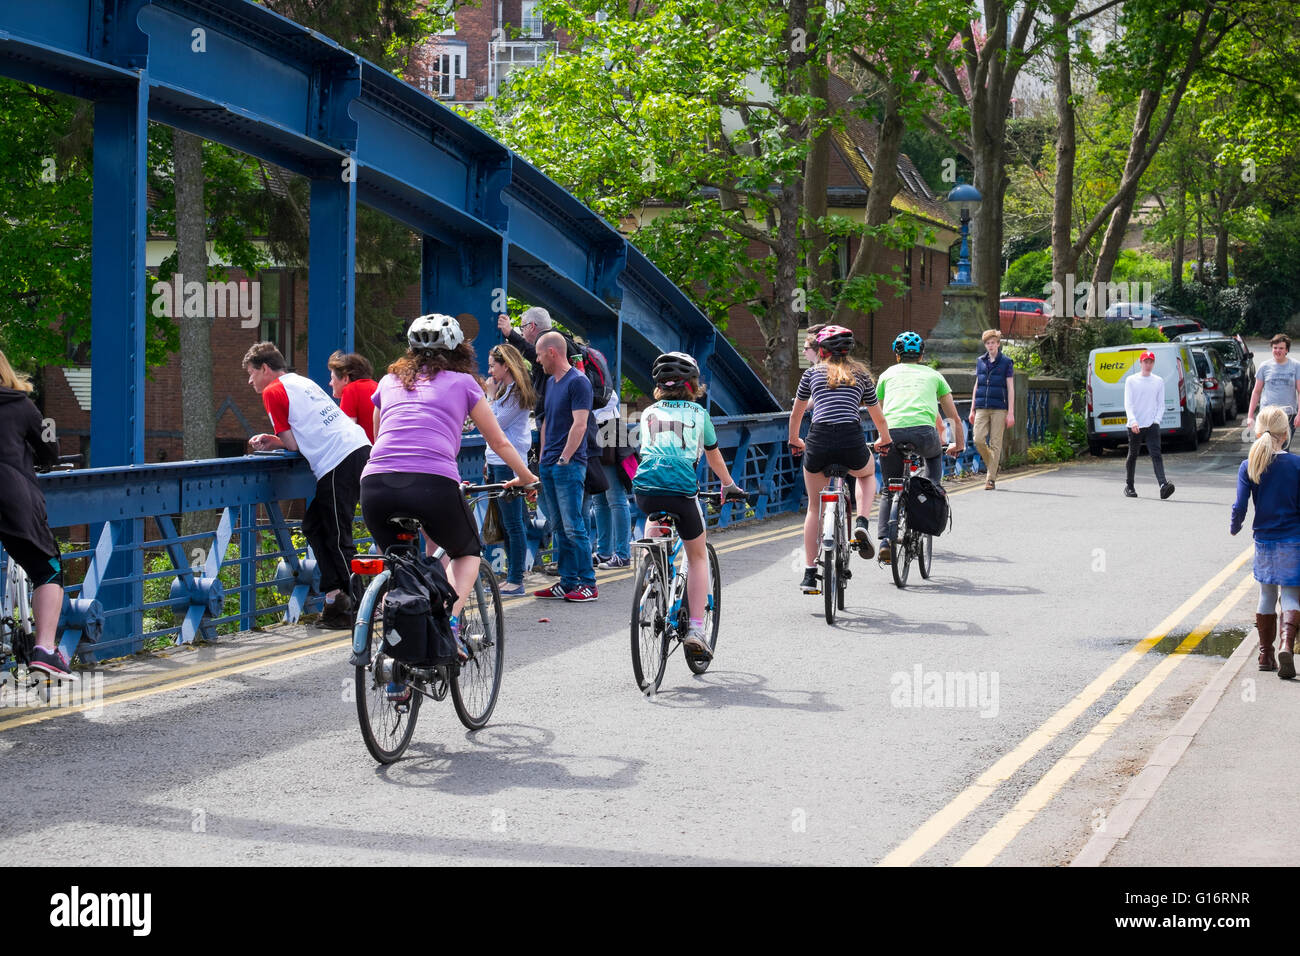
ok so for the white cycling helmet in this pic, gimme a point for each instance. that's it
(435, 331)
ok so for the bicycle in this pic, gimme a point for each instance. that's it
(907, 543)
(660, 607)
(387, 725)
(836, 535)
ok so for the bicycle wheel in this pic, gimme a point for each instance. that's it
(841, 591)
(649, 625)
(712, 614)
(386, 726)
(477, 681)
(924, 553)
(830, 575)
(900, 550)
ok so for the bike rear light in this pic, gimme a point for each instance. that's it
(829, 498)
(406, 536)
(895, 486)
(367, 565)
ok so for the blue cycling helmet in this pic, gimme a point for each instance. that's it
(909, 343)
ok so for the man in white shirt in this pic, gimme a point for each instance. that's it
(1144, 401)
(307, 421)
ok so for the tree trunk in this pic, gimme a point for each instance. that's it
(197, 412)
(816, 176)
(1180, 238)
(1134, 165)
(783, 340)
(1065, 258)
(885, 184)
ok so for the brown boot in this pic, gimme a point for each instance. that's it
(1266, 624)
(1285, 654)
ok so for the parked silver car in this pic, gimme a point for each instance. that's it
(1220, 391)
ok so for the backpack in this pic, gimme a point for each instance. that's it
(417, 612)
(592, 363)
(927, 506)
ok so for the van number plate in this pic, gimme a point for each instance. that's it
(1113, 421)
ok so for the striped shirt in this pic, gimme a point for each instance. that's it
(832, 406)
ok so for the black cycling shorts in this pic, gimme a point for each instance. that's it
(435, 500)
(841, 443)
(685, 508)
(42, 565)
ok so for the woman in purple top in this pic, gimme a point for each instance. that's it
(420, 406)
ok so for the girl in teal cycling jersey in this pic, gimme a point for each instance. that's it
(674, 431)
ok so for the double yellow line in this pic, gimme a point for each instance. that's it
(1006, 829)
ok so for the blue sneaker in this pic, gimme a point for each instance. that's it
(614, 561)
(513, 590)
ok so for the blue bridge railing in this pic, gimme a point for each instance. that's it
(1037, 420)
(134, 578)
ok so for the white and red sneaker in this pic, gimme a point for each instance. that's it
(556, 590)
(581, 594)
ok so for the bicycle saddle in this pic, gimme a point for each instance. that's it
(905, 447)
(836, 471)
(405, 522)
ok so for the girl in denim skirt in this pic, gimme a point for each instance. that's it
(1271, 478)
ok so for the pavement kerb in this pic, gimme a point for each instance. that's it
(1163, 759)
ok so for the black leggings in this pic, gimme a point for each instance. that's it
(436, 501)
(1150, 435)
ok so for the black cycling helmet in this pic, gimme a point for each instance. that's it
(674, 367)
(909, 343)
(835, 339)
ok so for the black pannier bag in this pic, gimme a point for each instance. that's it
(417, 612)
(927, 506)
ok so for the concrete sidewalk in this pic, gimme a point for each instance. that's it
(1218, 791)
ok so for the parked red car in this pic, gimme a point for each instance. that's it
(1022, 317)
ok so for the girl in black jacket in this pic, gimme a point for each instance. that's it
(24, 530)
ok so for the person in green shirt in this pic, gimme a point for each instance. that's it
(911, 395)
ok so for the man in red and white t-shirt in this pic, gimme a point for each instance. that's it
(307, 421)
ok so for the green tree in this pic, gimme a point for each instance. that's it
(705, 128)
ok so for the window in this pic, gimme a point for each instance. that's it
(907, 268)
(448, 65)
(277, 311)
(530, 20)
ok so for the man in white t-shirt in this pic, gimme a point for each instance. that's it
(1144, 401)
(307, 421)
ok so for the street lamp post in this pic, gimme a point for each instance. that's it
(962, 201)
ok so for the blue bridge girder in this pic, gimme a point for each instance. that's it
(234, 72)
(490, 223)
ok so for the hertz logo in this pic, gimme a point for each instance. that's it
(1111, 366)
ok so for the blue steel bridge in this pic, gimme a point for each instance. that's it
(235, 73)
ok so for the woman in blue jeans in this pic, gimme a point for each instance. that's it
(613, 516)
(510, 391)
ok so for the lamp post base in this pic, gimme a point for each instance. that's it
(955, 341)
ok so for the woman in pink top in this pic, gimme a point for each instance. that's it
(420, 406)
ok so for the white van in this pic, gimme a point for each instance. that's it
(1187, 414)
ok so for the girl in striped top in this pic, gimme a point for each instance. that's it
(838, 386)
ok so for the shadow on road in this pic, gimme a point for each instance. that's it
(506, 756)
(720, 688)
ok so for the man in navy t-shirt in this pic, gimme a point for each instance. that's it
(563, 469)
